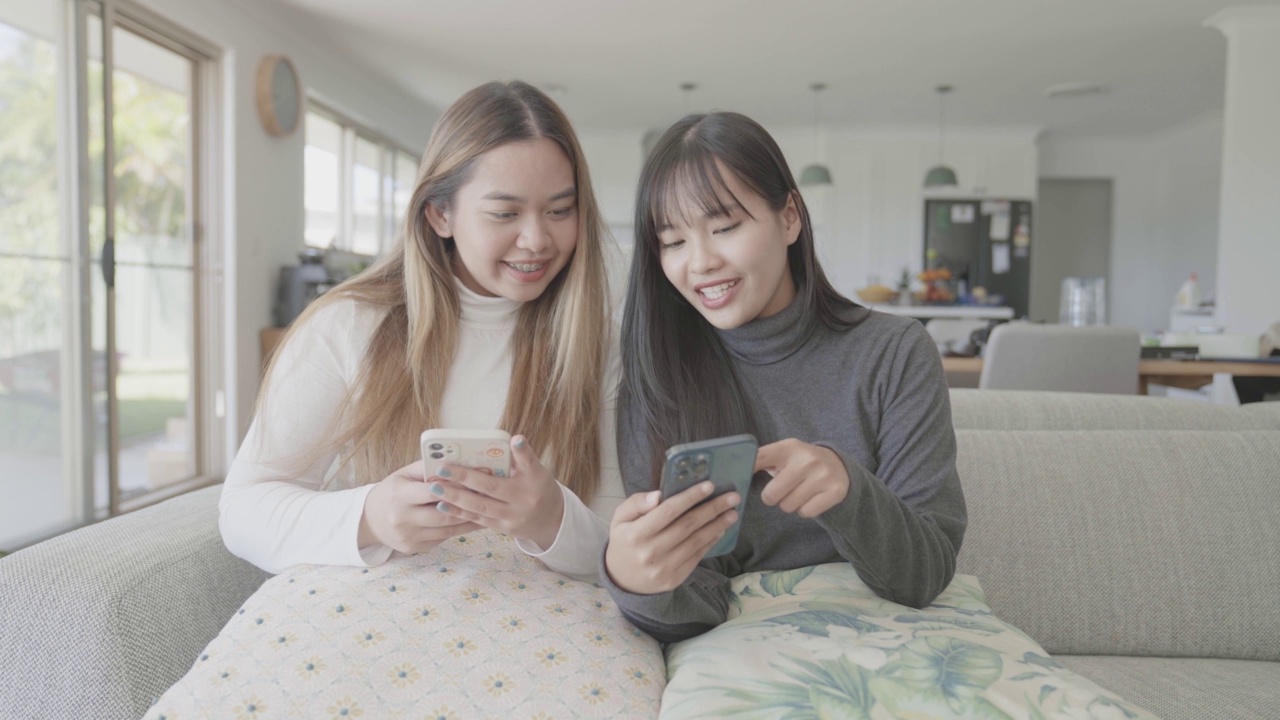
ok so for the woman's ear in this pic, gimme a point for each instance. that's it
(439, 220)
(791, 217)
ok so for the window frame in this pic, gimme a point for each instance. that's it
(389, 151)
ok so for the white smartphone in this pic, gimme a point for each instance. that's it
(478, 449)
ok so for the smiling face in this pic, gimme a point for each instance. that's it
(514, 223)
(730, 262)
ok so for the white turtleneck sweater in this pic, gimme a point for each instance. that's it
(276, 518)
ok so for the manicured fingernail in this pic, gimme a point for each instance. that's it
(731, 517)
(436, 489)
(706, 488)
(518, 441)
(653, 497)
(442, 507)
(443, 472)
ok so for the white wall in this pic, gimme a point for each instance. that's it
(869, 224)
(263, 219)
(1249, 253)
(1165, 211)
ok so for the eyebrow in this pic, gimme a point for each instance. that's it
(505, 197)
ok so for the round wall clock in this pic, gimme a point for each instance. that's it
(279, 95)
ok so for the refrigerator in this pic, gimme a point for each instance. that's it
(987, 243)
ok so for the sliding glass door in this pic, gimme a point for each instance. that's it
(103, 383)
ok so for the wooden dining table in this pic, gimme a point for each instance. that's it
(1187, 374)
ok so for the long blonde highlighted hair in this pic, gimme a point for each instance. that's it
(559, 340)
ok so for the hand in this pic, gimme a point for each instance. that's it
(807, 479)
(654, 547)
(400, 513)
(528, 505)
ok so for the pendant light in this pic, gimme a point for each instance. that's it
(940, 175)
(817, 173)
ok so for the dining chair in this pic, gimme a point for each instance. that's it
(1064, 358)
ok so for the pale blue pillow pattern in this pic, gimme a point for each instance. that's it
(818, 643)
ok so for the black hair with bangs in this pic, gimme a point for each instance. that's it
(678, 383)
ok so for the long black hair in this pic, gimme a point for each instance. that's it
(678, 383)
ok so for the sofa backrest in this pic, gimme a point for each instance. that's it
(1154, 542)
(1029, 410)
(1265, 415)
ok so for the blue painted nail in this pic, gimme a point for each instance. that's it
(442, 507)
(519, 441)
(443, 472)
(436, 489)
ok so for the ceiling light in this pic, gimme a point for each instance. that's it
(1074, 89)
(817, 173)
(940, 175)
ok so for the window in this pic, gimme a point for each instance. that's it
(107, 381)
(357, 185)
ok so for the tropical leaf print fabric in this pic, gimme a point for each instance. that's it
(818, 643)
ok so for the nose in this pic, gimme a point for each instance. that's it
(703, 258)
(534, 236)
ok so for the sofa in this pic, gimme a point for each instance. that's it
(1134, 538)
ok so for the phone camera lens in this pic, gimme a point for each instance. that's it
(682, 463)
(437, 455)
(436, 446)
(682, 475)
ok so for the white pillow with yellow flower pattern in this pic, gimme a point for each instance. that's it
(818, 643)
(472, 629)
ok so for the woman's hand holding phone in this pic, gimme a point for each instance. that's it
(400, 512)
(528, 505)
(654, 546)
(807, 479)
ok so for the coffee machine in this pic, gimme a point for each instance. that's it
(300, 284)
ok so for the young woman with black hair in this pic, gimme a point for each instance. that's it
(730, 326)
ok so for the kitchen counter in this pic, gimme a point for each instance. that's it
(969, 312)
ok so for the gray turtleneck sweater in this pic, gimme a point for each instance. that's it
(876, 395)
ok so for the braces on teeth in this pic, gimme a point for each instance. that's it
(525, 267)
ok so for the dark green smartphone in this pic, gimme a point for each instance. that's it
(728, 462)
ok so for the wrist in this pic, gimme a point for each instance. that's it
(549, 529)
(615, 577)
(365, 535)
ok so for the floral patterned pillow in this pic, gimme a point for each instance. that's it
(473, 629)
(818, 643)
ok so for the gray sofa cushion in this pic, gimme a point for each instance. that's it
(1022, 410)
(1187, 688)
(99, 622)
(1264, 415)
(1160, 543)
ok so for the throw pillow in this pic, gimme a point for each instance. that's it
(817, 642)
(472, 629)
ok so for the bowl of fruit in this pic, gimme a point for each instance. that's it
(936, 287)
(876, 294)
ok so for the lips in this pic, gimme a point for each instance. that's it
(717, 293)
(526, 267)
(715, 290)
(527, 272)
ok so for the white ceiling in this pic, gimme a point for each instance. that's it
(621, 63)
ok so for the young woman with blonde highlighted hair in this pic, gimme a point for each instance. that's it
(490, 313)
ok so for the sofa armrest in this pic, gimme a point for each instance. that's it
(101, 621)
